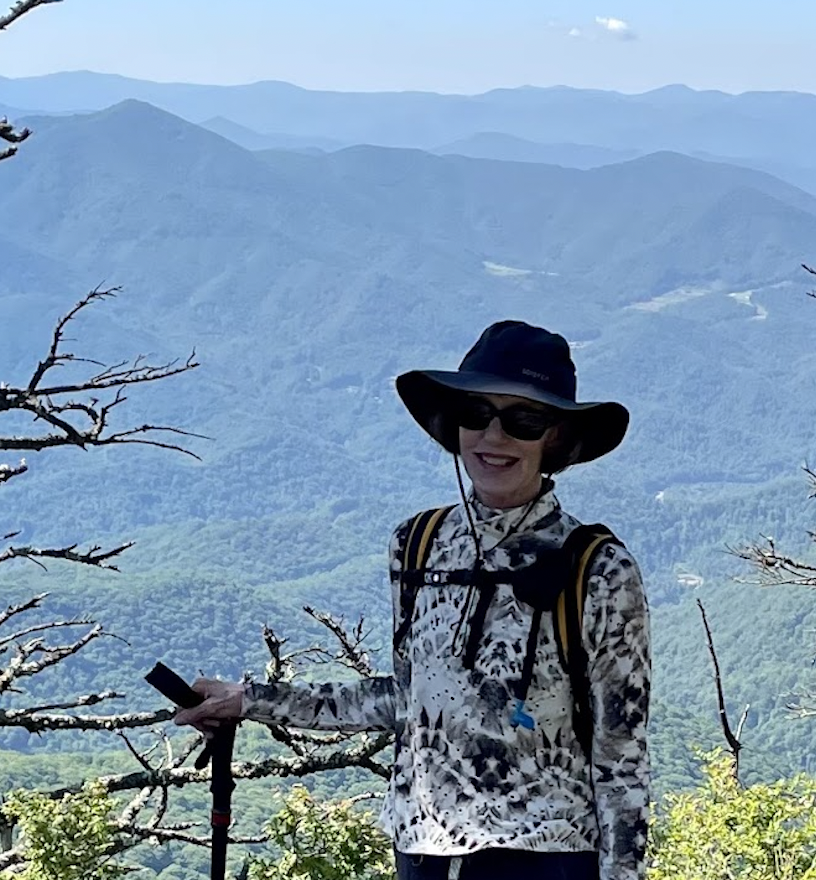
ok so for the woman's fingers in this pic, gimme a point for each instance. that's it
(222, 701)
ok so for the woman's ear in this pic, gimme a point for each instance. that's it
(561, 448)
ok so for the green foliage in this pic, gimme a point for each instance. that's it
(68, 839)
(321, 840)
(724, 830)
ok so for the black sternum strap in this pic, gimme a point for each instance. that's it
(487, 589)
(529, 657)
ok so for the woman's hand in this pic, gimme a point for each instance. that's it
(222, 702)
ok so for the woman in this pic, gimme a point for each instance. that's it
(474, 793)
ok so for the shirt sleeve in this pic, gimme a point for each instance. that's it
(616, 633)
(367, 704)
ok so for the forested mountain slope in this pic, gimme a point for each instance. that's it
(306, 283)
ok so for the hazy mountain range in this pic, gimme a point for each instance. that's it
(771, 131)
(306, 282)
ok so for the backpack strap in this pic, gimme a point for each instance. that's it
(582, 547)
(422, 533)
(575, 562)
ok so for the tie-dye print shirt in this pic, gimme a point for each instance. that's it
(463, 777)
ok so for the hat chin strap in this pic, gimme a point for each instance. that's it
(466, 505)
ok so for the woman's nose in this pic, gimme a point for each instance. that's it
(494, 429)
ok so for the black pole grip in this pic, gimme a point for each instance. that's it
(173, 686)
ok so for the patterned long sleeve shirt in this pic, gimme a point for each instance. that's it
(464, 779)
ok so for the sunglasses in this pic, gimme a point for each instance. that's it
(519, 421)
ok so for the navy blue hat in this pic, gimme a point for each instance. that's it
(512, 357)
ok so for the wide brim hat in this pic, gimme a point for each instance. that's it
(515, 358)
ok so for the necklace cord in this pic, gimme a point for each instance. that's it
(477, 617)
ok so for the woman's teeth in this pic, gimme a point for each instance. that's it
(497, 460)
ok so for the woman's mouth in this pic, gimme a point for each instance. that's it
(500, 462)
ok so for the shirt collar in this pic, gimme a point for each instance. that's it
(500, 519)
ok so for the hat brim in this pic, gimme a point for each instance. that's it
(427, 394)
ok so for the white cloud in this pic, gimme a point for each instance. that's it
(617, 27)
(575, 32)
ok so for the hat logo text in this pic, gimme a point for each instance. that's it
(541, 376)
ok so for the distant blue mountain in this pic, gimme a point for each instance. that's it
(769, 125)
(255, 140)
(505, 147)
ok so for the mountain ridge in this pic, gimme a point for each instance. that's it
(620, 121)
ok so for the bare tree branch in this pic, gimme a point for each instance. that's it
(23, 666)
(14, 610)
(8, 133)
(772, 566)
(42, 627)
(811, 475)
(76, 703)
(7, 471)
(169, 833)
(281, 767)
(85, 423)
(142, 759)
(775, 567)
(812, 271)
(19, 9)
(276, 667)
(11, 136)
(804, 708)
(351, 654)
(743, 719)
(41, 722)
(94, 556)
(734, 745)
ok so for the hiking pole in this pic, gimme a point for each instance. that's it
(218, 750)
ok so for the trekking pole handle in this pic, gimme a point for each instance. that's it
(173, 686)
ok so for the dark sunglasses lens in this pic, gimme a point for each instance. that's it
(525, 424)
(520, 422)
(475, 415)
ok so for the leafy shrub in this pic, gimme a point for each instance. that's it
(67, 839)
(726, 831)
(328, 840)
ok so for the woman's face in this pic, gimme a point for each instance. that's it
(505, 471)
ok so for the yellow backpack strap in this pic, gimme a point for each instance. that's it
(421, 535)
(582, 547)
(576, 597)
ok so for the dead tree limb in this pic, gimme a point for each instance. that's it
(39, 722)
(22, 607)
(281, 767)
(79, 413)
(812, 271)
(19, 9)
(85, 423)
(734, 745)
(7, 471)
(42, 627)
(95, 556)
(8, 133)
(351, 652)
(774, 567)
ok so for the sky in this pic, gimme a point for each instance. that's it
(465, 46)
